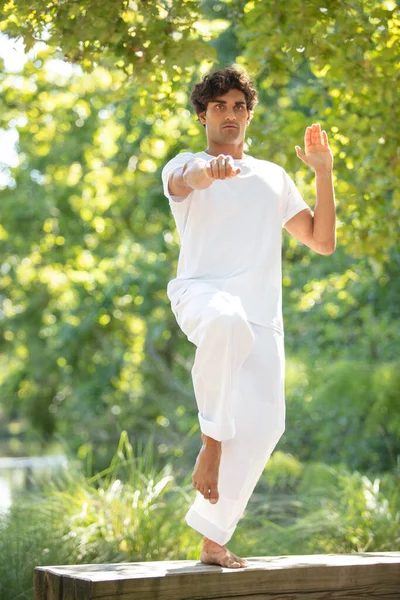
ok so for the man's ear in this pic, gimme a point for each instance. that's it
(202, 117)
(249, 116)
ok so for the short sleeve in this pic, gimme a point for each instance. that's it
(176, 162)
(293, 201)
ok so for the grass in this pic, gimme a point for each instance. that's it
(134, 511)
(131, 511)
(312, 508)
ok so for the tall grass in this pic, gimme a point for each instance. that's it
(131, 511)
(315, 508)
(134, 511)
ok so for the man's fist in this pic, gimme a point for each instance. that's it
(221, 167)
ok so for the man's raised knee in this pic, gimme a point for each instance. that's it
(233, 321)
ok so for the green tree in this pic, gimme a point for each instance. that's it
(87, 239)
(335, 64)
(141, 38)
(86, 244)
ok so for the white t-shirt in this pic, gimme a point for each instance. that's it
(231, 234)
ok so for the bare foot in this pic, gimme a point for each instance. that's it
(214, 554)
(206, 469)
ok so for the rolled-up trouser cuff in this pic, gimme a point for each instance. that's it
(218, 431)
(206, 528)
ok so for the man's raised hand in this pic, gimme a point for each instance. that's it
(318, 154)
(221, 167)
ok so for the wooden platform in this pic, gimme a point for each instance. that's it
(367, 576)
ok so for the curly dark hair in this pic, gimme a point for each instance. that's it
(220, 82)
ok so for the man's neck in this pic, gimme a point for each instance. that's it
(229, 150)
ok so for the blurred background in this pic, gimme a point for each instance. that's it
(98, 422)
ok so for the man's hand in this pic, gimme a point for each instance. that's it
(198, 174)
(318, 153)
(221, 167)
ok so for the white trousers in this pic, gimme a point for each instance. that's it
(238, 379)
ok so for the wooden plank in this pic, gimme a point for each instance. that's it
(75, 587)
(68, 587)
(50, 584)
(83, 589)
(39, 590)
(53, 586)
(283, 574)
(329, 595)
(339, 595)
(369, 576)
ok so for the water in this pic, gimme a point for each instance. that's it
(5, 493)
(16, 474)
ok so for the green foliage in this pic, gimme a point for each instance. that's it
(87, 339)
(126, 510)
(342, 310)
(335, 65)
(344, 412)
(141, 38)
(88, 344)
(87, 259)
(28, 538)
(312, 508)
(132, 511)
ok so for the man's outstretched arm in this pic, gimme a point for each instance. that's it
(317, 229)
(198, 174)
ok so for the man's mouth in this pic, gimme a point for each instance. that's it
(230, 127)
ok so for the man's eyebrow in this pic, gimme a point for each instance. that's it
(225, 102)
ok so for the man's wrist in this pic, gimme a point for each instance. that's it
(209, 441)
(185, 174)
(324, 172)
(197, 172)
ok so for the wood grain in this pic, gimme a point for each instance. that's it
(367, 576)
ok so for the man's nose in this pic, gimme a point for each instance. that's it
(230, 114)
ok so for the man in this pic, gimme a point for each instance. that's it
(229, 210)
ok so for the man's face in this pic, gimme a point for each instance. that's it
(226, 118)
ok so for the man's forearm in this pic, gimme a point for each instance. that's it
(324, 227)
(177, 185)
(189, 177)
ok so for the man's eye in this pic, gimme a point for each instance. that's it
(240, 107)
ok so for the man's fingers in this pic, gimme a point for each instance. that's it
(226, 167)
(233, 172)
(222, 167)
(209, 171)
(230, 168)
(301, 154)
(307, 137)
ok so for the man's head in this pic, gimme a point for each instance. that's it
(224, 102)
